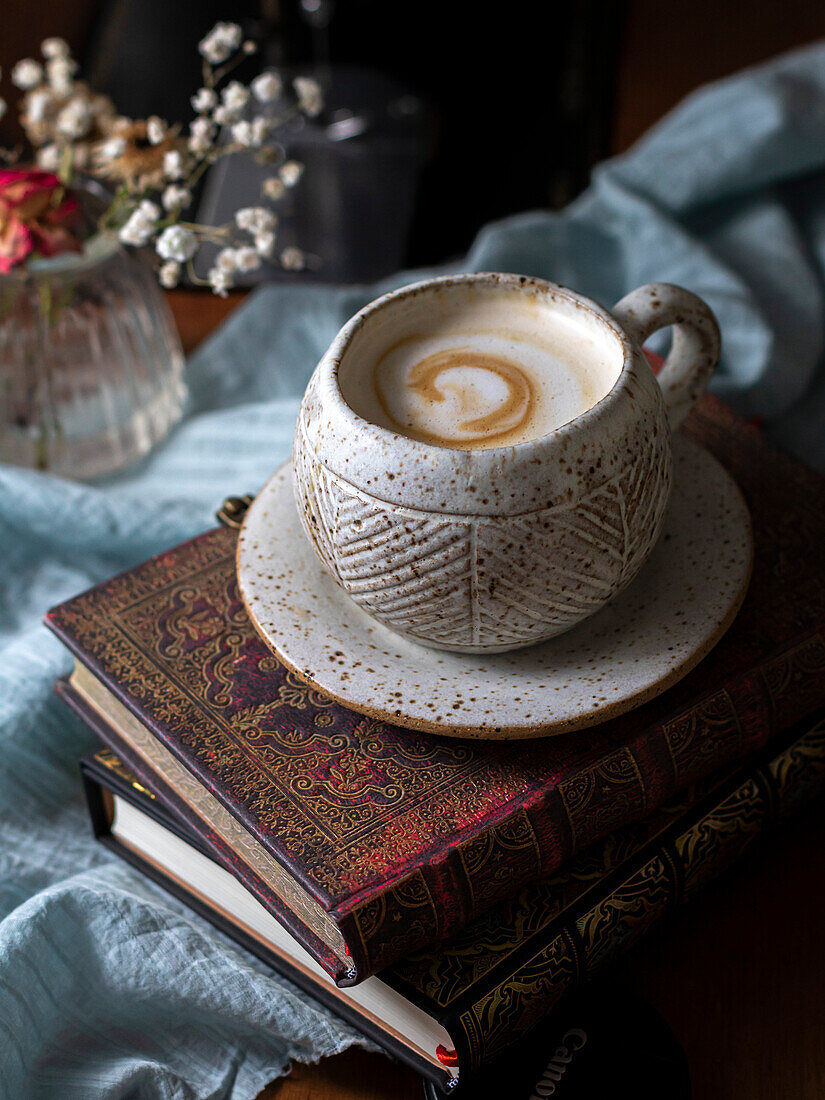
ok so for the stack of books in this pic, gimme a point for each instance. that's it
(444, 895)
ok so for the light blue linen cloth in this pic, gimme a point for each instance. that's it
(107, 987)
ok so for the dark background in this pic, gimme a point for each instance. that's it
(521, 98)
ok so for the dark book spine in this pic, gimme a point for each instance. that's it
(697, 849)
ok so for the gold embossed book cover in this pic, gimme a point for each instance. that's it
(369, 841)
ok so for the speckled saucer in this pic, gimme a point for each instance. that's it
(649, 637)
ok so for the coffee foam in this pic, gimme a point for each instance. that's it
(493, 370)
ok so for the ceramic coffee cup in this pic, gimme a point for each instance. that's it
(494, 548)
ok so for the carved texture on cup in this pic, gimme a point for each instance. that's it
(478, 582)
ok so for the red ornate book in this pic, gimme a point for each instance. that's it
(369, 841)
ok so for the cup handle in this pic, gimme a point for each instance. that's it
(695, 350)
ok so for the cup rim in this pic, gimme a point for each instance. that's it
(331, 361)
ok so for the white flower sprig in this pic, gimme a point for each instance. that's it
(157, 166)
(232, 117)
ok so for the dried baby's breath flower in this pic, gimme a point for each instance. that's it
(221, 42)
(261, 128)
(274, 188)
(230, 260)
(38, 114)
(60, 73)
(224, 116)
(235, 96)
(204, 100)
(293, 259)
(202, 132)
(169, 274)
(54, 47)
(177, 243)
(255, 219)
(140, 225)
(225, 260)
(220, 281)
(75, 122)
(267, 87)
(75, 119)
(142, 165)
(247, 258)
(176, 198)
(27, 74)
(243, 134)
(291, 172)
(48, 157)
(37, 104)
(265, 244)
(174, 165)
(155, 130)
(111, 148)
(310, 96)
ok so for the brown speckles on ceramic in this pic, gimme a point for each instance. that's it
(638, 645)
(485, 583)
(489, 550)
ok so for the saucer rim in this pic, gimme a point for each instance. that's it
(487, 731)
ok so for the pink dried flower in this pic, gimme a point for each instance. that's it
(36, 216)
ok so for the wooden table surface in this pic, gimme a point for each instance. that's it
(740, 974)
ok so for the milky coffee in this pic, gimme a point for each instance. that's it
(494, 371)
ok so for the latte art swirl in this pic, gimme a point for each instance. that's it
(485, 407)
(486, 389)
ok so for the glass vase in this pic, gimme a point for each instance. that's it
(91, 367)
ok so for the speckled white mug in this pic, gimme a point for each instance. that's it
(492, 549)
